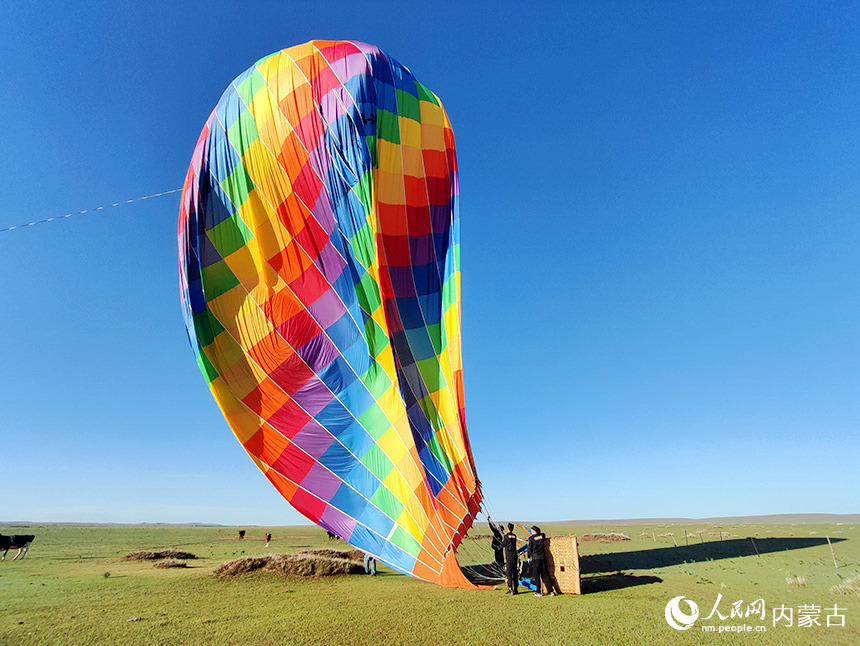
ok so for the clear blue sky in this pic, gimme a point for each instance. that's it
(660, 228)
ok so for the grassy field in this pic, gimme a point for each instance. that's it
(73, 588)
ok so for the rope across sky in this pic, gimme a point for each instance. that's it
(98, 208)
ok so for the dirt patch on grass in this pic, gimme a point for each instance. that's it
(163, 554)
(604, 538)
(313, 563)
(170, 563)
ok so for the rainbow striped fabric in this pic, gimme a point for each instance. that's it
(319, 275)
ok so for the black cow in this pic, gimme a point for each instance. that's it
(19, 541)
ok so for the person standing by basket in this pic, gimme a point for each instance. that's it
(537, 556)
(509, 545)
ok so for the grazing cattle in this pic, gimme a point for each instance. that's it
(19, 541)
(331, 536)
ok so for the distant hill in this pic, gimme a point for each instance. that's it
(769, 519)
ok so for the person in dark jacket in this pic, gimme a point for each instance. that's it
(509, 545)
(496, 543)
(537, 555)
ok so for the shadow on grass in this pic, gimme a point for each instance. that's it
(715, 550)
(604, 582)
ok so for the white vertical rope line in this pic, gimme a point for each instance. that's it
(93, 210)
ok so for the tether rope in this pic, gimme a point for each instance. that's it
(93, 210)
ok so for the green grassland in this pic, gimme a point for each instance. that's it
(73, 588)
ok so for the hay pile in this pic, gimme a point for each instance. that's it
(170, 563)
(163, 554)
(313, 563)
(604, 538)
(851, 588)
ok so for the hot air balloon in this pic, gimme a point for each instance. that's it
(319, 277)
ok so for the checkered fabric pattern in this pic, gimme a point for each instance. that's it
(319, 276)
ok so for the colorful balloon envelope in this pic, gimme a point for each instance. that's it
(319, 275)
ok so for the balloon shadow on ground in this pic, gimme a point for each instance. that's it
(617, 581)
(711, 551)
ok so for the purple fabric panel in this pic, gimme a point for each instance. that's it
(313, 396)
(368, 49)
(341, 95)
(421, 250)
(318, 353)
(323, 213)
(440, 217)
(331, 107)
(402, 282)
(313, 439)
(319, 157)
(338, 522)
(327, 308)
(349, 66)
(321, 481)
(330, 263)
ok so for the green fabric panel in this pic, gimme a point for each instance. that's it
(387, 127)
(237, 185)
(369, 299)
(436, 338)
(243, 132)
(449, 293)
(217, 279)
(206, 368)
(375, 380)
(370, 142)
(375, 337)
(404, 540)
(378, 464)
(429, 408)
(230, 235)
(425, 94)
(387, 503)
(362, 245)
(375, 422)
(407, 106)
(364, 191)
(248, 88)
(444, 459)
(431, 373)
(207, 328)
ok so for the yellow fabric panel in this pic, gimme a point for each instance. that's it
(416, 511)
(453, 448)
(410, 132)
(432, 137)
(389, 186)
(386, 362)
(413, 162)
(391, 404)
(447, 410)
(260, 163)
(270, 67)
(248, 265)
(389, 160)
(392, 445)
(431, 114)
(242, 420)
(240, 314)
(236, 369)
(408, 523)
